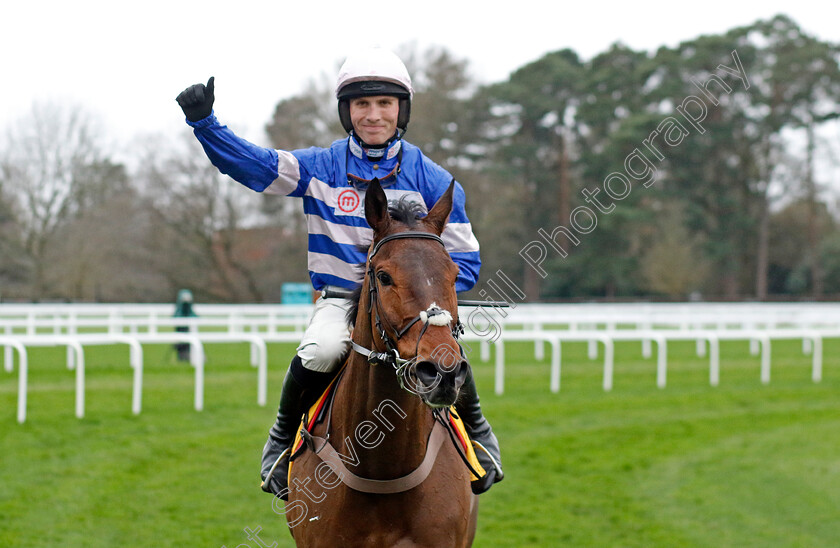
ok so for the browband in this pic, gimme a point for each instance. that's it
(399, 235)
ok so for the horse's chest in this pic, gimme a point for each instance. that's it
(366, 526)
(435, 514)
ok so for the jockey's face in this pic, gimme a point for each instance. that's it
(374, 118)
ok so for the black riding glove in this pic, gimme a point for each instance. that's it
(197, 101)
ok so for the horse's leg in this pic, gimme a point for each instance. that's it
(473, 519)
(302, 507)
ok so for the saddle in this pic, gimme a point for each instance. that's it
(447, 421)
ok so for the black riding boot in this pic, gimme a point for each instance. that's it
(301, 387)
(480, 432)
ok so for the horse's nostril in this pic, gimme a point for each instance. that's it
(429, 372)
(426, 372)
(461, 373)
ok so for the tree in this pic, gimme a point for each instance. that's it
(728, 171)
(802, 88)
(198, 213)
(105, 254)
(672, 262)
(530, 129)
(442, 85)
(712, 169)
(790, 258)
(611, 120)
(51, 168)
(12, 254)
(307, 119)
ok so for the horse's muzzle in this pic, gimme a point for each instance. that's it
(438, 382)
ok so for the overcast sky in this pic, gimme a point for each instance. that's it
(126, 62)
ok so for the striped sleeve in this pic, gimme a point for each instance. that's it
(256, 167)
(461, 242)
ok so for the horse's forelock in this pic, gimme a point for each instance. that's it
(407, 212)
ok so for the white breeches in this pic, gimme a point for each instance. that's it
(327, 337)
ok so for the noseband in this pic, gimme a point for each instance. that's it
(434, 315)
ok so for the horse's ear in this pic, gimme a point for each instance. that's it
(376, 208)
(439, 214)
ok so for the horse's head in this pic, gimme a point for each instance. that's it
(412, 305)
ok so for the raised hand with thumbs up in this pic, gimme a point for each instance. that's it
(197, 101)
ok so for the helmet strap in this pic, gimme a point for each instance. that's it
(404, 115)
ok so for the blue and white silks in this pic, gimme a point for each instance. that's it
(333, 207)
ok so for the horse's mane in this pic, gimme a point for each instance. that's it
(354, 307)
(405, 211)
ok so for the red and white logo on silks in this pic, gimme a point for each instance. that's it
(348, 201)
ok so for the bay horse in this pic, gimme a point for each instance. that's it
(382, 436)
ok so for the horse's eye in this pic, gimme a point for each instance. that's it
(384, 278)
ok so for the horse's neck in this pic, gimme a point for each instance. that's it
(387, 425)
(373, 386)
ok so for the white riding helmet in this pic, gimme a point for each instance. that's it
(370, 72)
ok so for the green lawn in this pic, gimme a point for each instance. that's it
(690, 465)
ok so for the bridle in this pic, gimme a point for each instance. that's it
(434, 315)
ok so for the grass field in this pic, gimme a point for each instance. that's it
(690, 465)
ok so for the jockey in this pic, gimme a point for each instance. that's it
(374, 104)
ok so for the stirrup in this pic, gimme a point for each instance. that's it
(266, 482)
(499, 473)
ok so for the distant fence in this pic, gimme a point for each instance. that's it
(76, 326)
